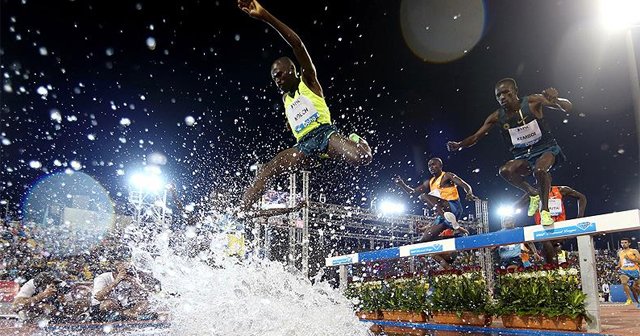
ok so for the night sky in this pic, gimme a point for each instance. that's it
(100, 86)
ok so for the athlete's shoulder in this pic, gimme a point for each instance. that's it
(534, 98)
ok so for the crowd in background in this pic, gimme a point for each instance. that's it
(98, 284)
(24, 255)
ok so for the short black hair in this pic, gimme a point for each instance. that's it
(510, 81)
(625, 238)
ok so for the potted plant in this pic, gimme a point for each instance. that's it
(367, 298)
(460, 298)
(405, 299)
(547, 298)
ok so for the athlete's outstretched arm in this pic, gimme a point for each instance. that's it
(464, 185)
(308, 70)
(491, 120)
(580, 198)
(421, 189)
(549, 98)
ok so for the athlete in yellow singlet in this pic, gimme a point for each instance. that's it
(629, 268)
(306, 112)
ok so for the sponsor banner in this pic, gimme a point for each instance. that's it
(428, 247)
(342, 260)
(565, 231)
(619, 221)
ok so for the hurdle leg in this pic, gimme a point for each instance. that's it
(589, 279)
(343, 277)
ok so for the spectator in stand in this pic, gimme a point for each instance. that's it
(122, 293)
(561, 255)
(605, 292)
(47, 297)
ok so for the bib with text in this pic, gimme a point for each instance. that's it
(525, 136)
(301, 113)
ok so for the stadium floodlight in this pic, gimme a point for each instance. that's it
(505, 211)
(147, 182)
(391, 207)
(619, 14)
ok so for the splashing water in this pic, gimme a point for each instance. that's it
(249, 297)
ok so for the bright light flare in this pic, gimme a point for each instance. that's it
(148, 182)
(619, 14)
(390, 207)
(506, 211)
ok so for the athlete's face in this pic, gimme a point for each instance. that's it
(435, 166)
(625, 244)
(507, 95)
(284, 76)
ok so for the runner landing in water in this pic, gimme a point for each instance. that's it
(306, 112)
(529, 139)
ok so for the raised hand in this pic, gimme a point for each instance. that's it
(251, 7)
(471, 197)
(550, 94)
(453, 146)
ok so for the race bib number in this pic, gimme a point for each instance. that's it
(525, 136)
(555, 206)
(301, 113)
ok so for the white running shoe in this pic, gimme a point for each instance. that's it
(451, 218)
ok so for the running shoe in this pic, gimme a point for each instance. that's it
(451, 218)
(356, 138)
(545, 218)
(628, 303)
(534, 203)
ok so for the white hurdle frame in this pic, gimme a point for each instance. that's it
(582, 228)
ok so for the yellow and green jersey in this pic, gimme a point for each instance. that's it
(305, 111)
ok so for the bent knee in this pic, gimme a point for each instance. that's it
(506, 171)
(539, 171)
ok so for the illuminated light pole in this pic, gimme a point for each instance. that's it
(619, 15)
(148, 197)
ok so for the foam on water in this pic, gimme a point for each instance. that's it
(249, 297)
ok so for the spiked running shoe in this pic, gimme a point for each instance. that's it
(534, 203)
(356, 138)
(545, 218)
(628, 303)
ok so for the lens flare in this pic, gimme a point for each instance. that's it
(442, 31)
(68, 213)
